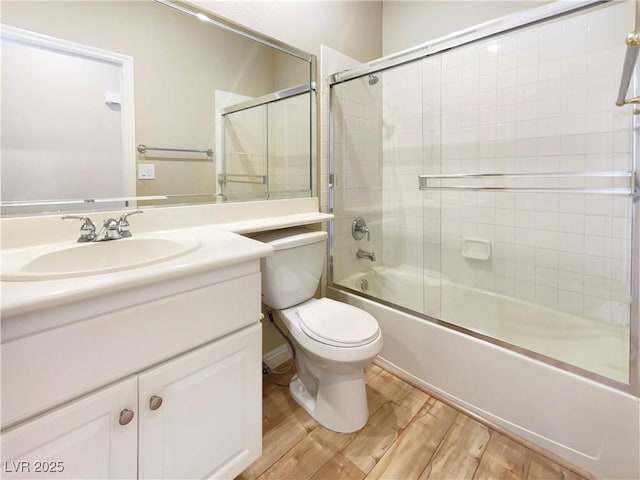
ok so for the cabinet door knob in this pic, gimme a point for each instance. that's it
(126, 416)
(155, 402)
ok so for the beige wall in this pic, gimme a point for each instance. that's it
(351, 27)
(407, 23)
(174, 90)
(363, 30)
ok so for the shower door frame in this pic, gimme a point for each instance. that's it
(460, 38)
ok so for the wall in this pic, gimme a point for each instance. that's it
(62, 123)
(358, 174)
(406, 24)
(516, 104)
(351, 27)
(174, 92)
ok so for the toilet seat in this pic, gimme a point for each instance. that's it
(337, 324)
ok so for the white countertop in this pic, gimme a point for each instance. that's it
(222, 246)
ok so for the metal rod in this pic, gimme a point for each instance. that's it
(209, 17)
(593, 174)
(422, 182)
(224, 178)
(627, 191)
(630, 58)
(627, 71)
(144, 149)
(270, 98)
(463, 37)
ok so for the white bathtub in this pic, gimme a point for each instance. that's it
(589, 344)
(586, 422)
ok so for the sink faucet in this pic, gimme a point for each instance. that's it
(87, 230)
(360, 253)
(112, 229)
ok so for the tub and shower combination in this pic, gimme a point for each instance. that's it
(496, 181)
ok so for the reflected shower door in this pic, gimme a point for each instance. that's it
(245, 155)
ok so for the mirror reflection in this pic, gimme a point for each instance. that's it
(134, 103)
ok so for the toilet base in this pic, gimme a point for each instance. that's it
(340, 403)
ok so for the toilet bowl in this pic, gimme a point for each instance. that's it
(333, 341)
(330, 383)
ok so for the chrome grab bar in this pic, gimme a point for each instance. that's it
(633, 47)
(224, 178)
(423, 179)
(144, 149)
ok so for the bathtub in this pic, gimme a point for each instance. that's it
(586, 422)
(588, 344)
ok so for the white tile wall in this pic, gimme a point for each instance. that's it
(536, 100)
(541, 100)
(358, 163)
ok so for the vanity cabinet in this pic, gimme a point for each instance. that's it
(200, 415)
(81, 440)
(182, 356)
(195, 416)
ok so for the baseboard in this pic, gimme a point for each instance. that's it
(277, 356)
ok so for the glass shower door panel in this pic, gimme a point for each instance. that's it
(289, 140)
(244, 175)
(431, 200)
(357, 123)
(543, 264)
(401, 272)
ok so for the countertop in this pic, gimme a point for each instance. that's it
(222, 246)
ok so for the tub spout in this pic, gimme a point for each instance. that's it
(364, 254)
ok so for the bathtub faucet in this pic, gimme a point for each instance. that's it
(364, 254)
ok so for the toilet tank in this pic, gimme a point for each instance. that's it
(292, 274)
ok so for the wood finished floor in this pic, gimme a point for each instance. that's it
(409, 435)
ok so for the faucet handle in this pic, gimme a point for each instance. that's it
(123, 223)
(87, 230)
(359, 229)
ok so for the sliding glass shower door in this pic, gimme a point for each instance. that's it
(503, 206)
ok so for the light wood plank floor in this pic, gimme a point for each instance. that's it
(409, 435)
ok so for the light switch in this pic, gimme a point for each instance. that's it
(146, 171)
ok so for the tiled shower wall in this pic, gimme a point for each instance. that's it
(358, 165)
(537, 100)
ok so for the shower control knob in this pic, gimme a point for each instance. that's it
(155, 402)
(359, 229)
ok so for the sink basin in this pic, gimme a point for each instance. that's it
(81, 259)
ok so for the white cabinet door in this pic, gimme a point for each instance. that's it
(209, 424)
(81, 440)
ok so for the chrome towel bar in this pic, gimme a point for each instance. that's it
(144, 149)
(423, 179)
(224, 178)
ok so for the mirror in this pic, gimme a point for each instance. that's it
(136, 103)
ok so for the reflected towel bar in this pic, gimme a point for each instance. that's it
(224, 178)
(422, 182)
(144, 149)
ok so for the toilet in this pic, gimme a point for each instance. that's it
(333, 341)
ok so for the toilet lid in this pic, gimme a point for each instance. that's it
(337, 324)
